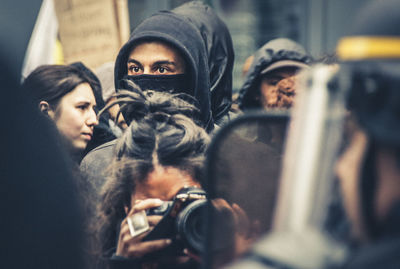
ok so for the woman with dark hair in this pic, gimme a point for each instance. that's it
(160, 153)
(66, 95)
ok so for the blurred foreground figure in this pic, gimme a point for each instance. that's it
(367, 156)
(369, 169)
(41, 223)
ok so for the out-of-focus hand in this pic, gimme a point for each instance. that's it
(244, 232)
(282, 94)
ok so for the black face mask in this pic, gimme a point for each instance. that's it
(164, 83)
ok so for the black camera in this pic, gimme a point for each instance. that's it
(183, 221)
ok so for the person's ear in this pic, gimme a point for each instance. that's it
(46, 109)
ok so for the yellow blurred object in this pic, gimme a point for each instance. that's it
(363, 47)
(58, 53)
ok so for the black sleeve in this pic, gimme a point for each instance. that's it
(119, 262)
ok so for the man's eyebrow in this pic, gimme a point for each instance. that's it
(275, 76)
(134, 62)
(164, 62)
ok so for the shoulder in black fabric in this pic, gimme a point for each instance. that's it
(218, 42)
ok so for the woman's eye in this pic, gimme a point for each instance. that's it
(82, 107)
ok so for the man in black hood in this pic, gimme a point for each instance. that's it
(218, 42)
(271, 79)
(167, 53)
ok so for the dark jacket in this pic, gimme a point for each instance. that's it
(175, 30)
(218, 42)
(94, 166)
(383, 250)
(272, 52)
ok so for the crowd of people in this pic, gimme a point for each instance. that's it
(136, 133)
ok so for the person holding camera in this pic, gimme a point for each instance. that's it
(158, 155)
(151, 207)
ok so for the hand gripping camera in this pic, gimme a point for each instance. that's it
(182, 221)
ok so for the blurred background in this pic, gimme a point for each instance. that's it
(316, 24)
(92, 31)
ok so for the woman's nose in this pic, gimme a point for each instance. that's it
(92, 118)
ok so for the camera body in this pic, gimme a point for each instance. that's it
(183, 221)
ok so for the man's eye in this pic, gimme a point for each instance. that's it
(273, 81)
(162, 70)
(135, 69)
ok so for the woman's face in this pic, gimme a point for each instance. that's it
(163, 183)
(75, 117)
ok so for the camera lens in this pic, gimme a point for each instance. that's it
(190, 225)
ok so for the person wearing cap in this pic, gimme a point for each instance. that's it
(271, 80)
(368, 165)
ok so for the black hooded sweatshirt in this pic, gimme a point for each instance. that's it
(273, 51)
(218, 42)
(175, 30)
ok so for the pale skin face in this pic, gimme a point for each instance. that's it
(75, 116)
(155, 58)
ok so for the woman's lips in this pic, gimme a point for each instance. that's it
(87, 136)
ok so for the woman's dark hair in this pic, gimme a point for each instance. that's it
(51, 82)
(161, 134)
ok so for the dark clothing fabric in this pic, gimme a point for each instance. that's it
(41, 218)
(220, 53)
(384, 251)
(94, 165)
(102, 133)
(167, 83)
(272, 52)
(173, 29)
(118, 262)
